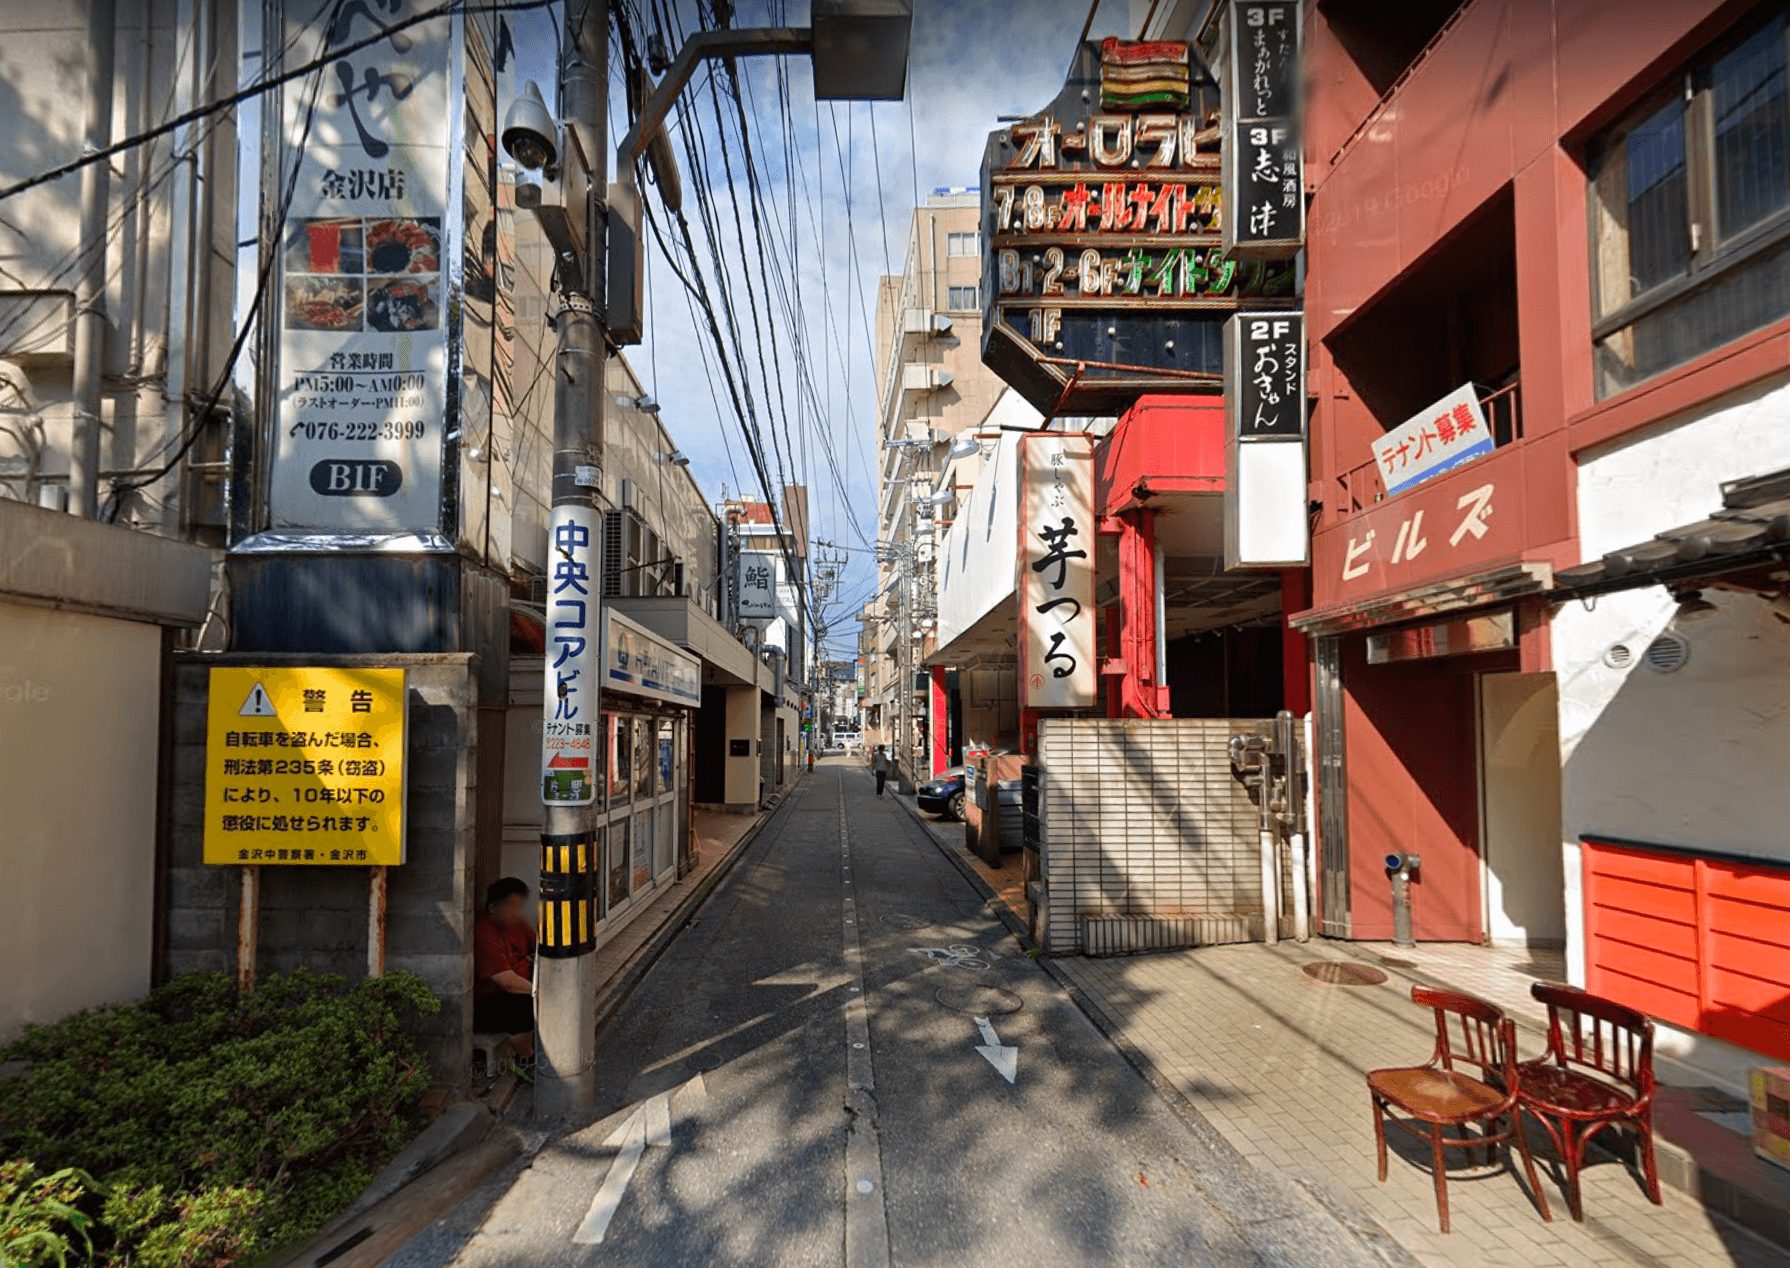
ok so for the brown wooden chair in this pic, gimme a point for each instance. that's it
(1596, 1073)
(1437, 1096)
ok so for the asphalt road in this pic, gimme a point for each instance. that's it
(798, 1081)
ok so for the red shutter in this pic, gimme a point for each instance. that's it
(1701, 943)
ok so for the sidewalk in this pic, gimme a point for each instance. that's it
(1276, 1061)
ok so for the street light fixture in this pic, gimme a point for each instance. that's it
(965, 446)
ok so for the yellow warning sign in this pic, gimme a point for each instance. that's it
(305, 766)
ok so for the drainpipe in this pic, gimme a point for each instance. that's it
(182, 226)
(90, 283)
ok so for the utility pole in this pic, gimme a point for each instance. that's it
(565, 990)
(90, 282)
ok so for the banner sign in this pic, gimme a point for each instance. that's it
(573, 682)
(305, 766)
(1267, 524)
(1264, 154)
(361, 311)
(1057, 668)
(1103, 214)
(1441, 438)
(758, 586)
(643, 664)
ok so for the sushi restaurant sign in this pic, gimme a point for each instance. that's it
(361, 310)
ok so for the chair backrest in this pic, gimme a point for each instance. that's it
(1481, 1034)
(1599, 1035)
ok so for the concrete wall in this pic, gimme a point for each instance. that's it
(1692, 758)
(742, 772)
(80, 710)
(317, 917)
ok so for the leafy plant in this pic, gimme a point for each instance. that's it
(221, 1122)
(35, 1211)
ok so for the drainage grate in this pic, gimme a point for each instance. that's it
(979, 1001)
(1337, 973)
(703, 1062)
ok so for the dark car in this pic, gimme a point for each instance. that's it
(943, 793)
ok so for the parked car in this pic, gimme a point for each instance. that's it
(943, 794)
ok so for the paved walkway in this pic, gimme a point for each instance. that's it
(1276, 1061)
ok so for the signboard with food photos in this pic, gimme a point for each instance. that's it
(362, 387)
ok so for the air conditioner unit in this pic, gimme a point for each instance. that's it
(924, 378)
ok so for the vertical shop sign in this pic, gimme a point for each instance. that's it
(1266, 524)
(758, 586)
(573, 660)
(362, 380)
(1264, 168)
(1056, 572)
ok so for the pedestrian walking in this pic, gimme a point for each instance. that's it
(879, 766)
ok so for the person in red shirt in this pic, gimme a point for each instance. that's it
(503, 952)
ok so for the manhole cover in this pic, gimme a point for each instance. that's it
(1337, 973)
(979, 1001)
(705, 1061)
(901, 921)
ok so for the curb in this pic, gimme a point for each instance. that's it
(1369, 1235)
(678, 918)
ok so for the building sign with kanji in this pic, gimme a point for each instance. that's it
(1105, 276)
(573, 684)
(1057, 668)
(758, 585)
(362, 308)
(1438, 439)
(305, 766)
(1266, 518)
(1264, 170)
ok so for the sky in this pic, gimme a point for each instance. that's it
(970, 61)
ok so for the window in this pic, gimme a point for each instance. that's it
(962, 244)
(962, 298)
(1690, 207)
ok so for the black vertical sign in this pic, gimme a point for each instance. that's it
(1267, 379)
(1263, 151)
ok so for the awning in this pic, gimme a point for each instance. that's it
(1751, 531)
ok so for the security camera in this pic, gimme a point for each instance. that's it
(530, 135)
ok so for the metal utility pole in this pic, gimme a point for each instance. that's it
(90, 282)
(565, 989)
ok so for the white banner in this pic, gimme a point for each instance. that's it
(362, 311)
(1441, 438)
(573, 683)
(1056, 572)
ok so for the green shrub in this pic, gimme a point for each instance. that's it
(35, 1210)
(222, 1123)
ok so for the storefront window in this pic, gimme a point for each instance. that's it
(621, 756)
(618, 861)
(643, 850)
(667, 755)
(1690, 203)
(600, 844)
(643, 757)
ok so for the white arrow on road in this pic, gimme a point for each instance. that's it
(999, 1055)
(649, 1124)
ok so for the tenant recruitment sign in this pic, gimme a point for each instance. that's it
(1105, 274)
(304, 766)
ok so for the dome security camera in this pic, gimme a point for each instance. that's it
(530, 136)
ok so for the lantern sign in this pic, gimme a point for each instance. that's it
(1106, 275)
(1263, 151)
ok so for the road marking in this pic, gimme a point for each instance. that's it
(648, 1125)
(959, 957)
(1003, 1058)
(866, 1218)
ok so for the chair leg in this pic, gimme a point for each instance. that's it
(1440, 1162)
(1522, 1142)
(1644, 1124)
(1380, 1135)
(1573, 1155)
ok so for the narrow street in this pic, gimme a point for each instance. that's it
(749, 1023)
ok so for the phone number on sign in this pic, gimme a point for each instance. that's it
(404, 429)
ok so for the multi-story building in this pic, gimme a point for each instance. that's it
(1559, 669)
(933, 386)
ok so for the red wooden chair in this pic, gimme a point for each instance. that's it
(1436, 1096)
(1597, 1072)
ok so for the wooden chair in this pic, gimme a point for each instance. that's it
(1597, 1072)
(1437, 1096)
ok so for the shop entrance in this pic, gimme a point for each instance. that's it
(1519, 761)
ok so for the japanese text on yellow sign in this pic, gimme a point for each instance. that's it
(305, 766)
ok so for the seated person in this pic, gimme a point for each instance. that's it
(503, 950)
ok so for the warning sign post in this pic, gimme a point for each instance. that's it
(305, 766)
